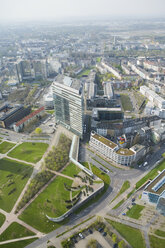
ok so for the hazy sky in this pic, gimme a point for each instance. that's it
(55, 9)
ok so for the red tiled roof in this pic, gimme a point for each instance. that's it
(29, 116)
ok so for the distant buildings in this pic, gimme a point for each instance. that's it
(153, 97)
(68, 102)
(154, 192)
(29, 70)
(114, 71)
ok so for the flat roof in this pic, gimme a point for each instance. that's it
(125, 152)
(154, 182)
(105, 141)
(68, 81)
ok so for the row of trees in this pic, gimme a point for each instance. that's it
(59, 155)
(36, 184)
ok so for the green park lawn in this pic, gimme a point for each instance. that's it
(71, 170)
(50, 202)
(2, 219)
(126, 102)
(135, 211)
(29, 151)
(15, 231)
(160, 233)
(13, 178)
(152, 174)
(6, 146)
(132, 235)
(18, 244)
(156, 242)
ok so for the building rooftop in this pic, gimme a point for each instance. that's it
(105, 141)
(157, 185)
(125, 152)
(29, 116)
(68, 81)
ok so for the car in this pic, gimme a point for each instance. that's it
(124, 214)
(100, 229)
(145, 163)
(133, 199)
(74, 240)
(115, 245)
(90, 231)
(133, 203)
(140, 165)
(104, 233)
(128, 208)
(81, 236)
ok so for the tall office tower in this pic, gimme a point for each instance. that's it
(68, 101)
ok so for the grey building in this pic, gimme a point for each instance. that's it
(68, 101)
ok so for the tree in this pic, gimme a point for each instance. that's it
(121, 244)
(38, 130)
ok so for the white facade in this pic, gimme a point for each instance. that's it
(153, 97)
(111, 150)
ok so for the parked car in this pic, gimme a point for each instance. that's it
(145, 163)
(104, 233)
(90, 231)
(100, 229)
(81, 236)
(123, 213)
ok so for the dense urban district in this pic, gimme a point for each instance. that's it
(82, 134)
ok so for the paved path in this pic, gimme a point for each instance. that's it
(19, 239)
(13, 218)
(60, 174)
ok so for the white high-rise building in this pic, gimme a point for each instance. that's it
(68, 103)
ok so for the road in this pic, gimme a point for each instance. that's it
(102, 206)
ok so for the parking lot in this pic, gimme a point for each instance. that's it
(96, 236)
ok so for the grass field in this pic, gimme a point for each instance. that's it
(119, 204)
(85, 72)
(6, 146)
(160, 233)
(2, 219)
(124, 187)
(132, 235)
(153, 173)
(156, 242)
(51, 202)
(71, 170)
(126, 102)
(18, 244)
(135, 211)
(13, 177)
(30, 152)
(15, 231)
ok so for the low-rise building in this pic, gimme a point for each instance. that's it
(153, 97)
(111, 150)
(26, 120)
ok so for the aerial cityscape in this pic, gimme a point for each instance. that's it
(82, 125)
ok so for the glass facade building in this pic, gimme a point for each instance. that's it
(68, 103)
